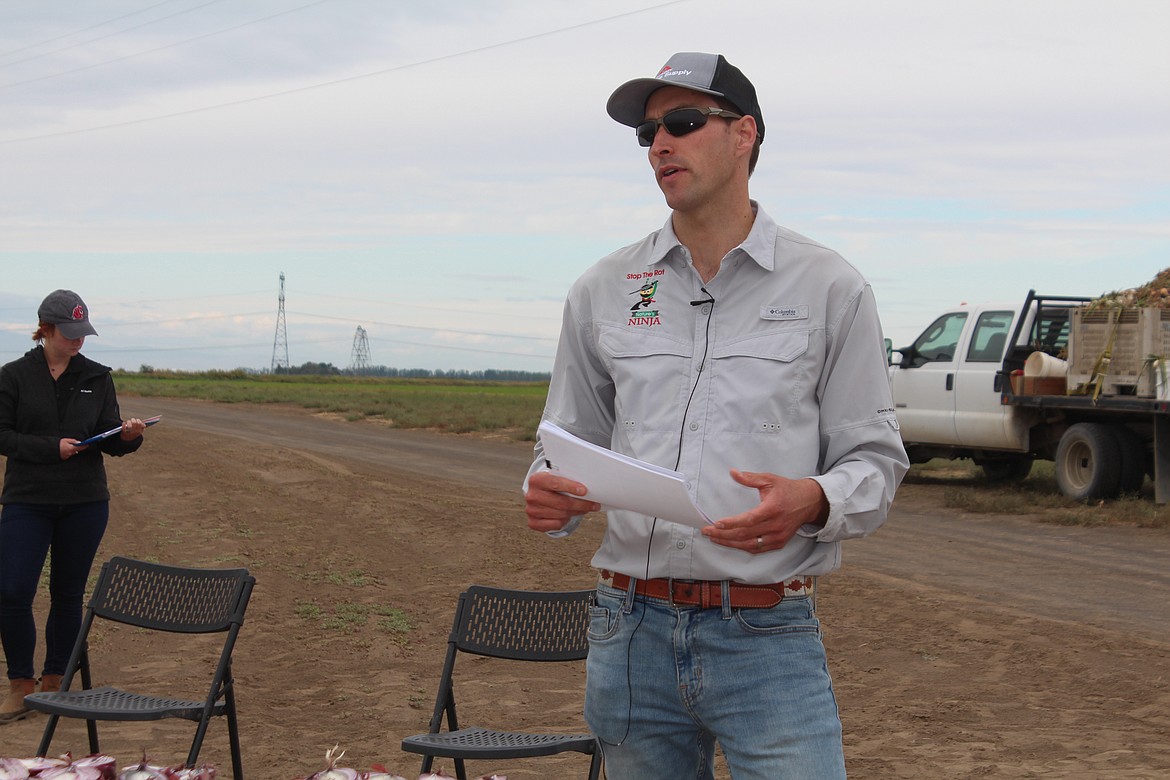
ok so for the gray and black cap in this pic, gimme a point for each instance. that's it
(710, 74)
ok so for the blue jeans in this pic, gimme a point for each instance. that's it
(27, 532)
(665, 683)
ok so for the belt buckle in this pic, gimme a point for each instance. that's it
(670, 591)
(690, 593)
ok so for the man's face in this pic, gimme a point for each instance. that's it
(694, 168)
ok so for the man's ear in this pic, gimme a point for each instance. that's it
(745, 128)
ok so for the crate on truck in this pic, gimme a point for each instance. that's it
(1136, 340)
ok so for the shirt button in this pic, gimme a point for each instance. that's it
(694, 426)
(680, 544)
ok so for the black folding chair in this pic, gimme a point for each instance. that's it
(518, 625)
(161, 598)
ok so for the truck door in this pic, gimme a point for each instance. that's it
(923, 383)
(980, 418)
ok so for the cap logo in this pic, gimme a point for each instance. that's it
(78, 312)
(667, 72)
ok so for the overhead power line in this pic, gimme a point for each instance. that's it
(112, 34)
(82, 30)
(156, 49)
(344, 80)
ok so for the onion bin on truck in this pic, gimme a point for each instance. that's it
(1056, 379)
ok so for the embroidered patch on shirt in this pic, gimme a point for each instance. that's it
(784, 312)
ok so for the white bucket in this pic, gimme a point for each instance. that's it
(1041, 364)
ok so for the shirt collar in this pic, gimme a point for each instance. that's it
(760, 244)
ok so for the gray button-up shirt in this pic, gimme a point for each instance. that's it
(776, 365)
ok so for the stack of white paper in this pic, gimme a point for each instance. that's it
(617, 481)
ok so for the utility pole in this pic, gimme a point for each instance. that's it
(359, 358)
(280, 343)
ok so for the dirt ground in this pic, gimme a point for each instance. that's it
(931, 684)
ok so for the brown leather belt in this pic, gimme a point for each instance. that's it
(709, 593)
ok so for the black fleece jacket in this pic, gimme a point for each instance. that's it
(32, 424)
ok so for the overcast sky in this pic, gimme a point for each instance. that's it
(439, 172)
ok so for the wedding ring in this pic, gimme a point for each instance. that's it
(759, 542)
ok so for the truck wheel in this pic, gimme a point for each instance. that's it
(1007, 469)
(1087, 462)
(1132, 460)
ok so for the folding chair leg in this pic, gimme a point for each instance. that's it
(91, 727)
(595, 765)
(234, 735)
(47, 735)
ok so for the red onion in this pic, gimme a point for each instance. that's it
(12, 769)
(379, 772)
(205, 772)
(39, 764)
(144, 771)
(71, 772)
(104, 764)
(438, 774)
(333, 771)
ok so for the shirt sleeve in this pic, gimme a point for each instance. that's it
(580, 394)
(13, 443)
(112, 418)
(862, 457)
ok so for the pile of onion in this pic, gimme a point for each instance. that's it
(144, 770)
(12, 769)
(95, 767)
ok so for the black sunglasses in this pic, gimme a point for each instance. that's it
(679, 122)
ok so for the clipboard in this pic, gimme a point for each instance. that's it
(618, 481)
(107, 434)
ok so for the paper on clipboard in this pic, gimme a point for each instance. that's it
(618, 481)
(107, 434)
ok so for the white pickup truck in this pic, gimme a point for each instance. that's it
(960, 392)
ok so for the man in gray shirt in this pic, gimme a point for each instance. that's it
(750, 359)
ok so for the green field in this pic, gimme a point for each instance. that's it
(455, 406)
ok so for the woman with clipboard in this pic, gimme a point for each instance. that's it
(55, 495)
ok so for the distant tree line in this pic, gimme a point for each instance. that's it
(489, 375)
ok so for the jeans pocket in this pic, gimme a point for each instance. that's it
(791, 616)
(603, 623)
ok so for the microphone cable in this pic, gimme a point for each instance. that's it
(654, 522)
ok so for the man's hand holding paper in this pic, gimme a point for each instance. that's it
(551, 501)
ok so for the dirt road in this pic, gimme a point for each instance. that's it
(962, 646)
(1116, 578)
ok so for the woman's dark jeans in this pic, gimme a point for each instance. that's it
(27, 533)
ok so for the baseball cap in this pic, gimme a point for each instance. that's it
(710, 74)
(66, 310)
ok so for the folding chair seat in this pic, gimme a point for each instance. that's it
(510, 624)
(156, 597)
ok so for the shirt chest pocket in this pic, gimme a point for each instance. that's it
(762, 381)
(650, 374)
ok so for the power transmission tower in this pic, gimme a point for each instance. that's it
(280, 343)
(359, 359)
